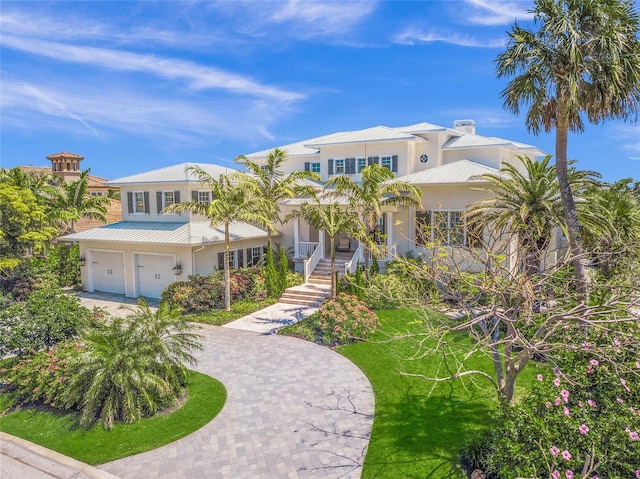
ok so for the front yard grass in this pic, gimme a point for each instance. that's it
(419, 426)
(59, 430)
(218, 317)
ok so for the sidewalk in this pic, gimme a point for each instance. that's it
(272, 318)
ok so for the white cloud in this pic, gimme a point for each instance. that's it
(628, 136)
(197, 76)
(412, 36)
(496, 12)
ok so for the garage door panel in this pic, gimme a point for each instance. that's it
(154, 274)
(108, 272)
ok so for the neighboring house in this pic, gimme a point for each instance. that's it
(67, 166)
(444, 163)
(149, 249)
(140, 255)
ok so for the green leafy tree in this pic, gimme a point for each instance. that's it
(231, 202)
(270, 275)
(73, 202)
(377, 188)
(283, 270)
(273, 184)
(132, 367)
(582, 61)
(333, 219)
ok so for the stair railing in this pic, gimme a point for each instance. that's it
(311, 263)
(351, 265)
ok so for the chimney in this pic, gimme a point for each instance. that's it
(467, 126)
(65, 163)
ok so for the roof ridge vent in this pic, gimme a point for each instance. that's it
(467, 126)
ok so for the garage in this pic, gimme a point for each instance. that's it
(154, 273)
(107, 271)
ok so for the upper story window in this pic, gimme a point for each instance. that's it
(362, 163)
(313, 166)
(386, 162)
(447, 228)
(339, 167)
(165, 199)
(204, 197)
(138, 202)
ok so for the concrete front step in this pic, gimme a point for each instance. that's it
(306, 294)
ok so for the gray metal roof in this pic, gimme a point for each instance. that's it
(423, 127)
(475, 141)
(173, 174)
(462, 171)
(149, 232)
(376, 133)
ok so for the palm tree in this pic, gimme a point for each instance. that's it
(583, 60)
(333, 219)
(273, 184)
(378, 188)
(74, 202)
(132, 366)
(527, 204)
(231, 202)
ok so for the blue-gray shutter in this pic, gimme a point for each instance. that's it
(194, 196)
(176, 196)
(394, 163)
(307, 166)
(130, 202)
(147, 207)
(370, 161)
(249, 258)
(240, 254)
(330, 167)
(350, 166)
(220, 260)
(376, 160)
(159, 201)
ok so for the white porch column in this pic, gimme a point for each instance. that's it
(296, 238)
(389, 234)
(321, 242)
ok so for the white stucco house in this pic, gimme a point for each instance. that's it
(138, 257)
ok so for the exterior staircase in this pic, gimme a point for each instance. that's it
(319, 286)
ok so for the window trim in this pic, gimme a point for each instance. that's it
(361, 166)
(208, 199)
(428, 218)
(135, 210)
(338, 163)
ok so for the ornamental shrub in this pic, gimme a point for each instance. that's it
(582, 420)
(344, 319)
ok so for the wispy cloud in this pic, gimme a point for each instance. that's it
(628, 135)
(496, 12)
(413, 36)
(197, 76)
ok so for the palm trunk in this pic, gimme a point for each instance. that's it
(333, 266)
(568, 204)
(227, 272)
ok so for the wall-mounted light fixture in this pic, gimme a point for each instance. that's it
(82, 260)
(177, 269)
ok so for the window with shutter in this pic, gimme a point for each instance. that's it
(362, 163)
(307, 166)
(394, 163)
(130, 202)
(139, 202)
(350, 166)
(330, 165)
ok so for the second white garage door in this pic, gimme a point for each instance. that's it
(154, 274)
(107, 270)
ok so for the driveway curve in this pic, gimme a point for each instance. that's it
(294, 410)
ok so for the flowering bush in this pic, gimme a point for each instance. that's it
(344, 319)
(583, 422)
(43, 376)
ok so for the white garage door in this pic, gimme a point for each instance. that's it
(154, 274)
(107, 269)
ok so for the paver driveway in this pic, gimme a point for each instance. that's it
(294, 410)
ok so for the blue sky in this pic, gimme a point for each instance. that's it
(135, 86)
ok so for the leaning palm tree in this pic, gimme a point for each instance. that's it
(527, 204)
(273, 184)
(583, 60)
(132, 367)
(74, 202)
(231, 202)
(378, 188)
(333, 219)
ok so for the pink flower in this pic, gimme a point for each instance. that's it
(558, 401)
(620, 400)
(566, 455)
(637, 473)
(569, 474)
(594, 362)
(584, 429)
(547, 404)
(554, 451)
(556, 382)
(555, 474)
(580, 404)
(591, 403)
(595, 477)
(539, 377)
(556, 371)
(638, 364)
(634, 436)
(589, 369)
(566, 411)
(565, 395)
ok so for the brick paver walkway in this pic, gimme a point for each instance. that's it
(294, 410)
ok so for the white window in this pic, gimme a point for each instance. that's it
(339, 167)
(138, 202)
(95, 193)
(386, 161)
(168, 198)
(256, 256)
(204, 197)
(315, 167)
(445, 227)
(362, 163)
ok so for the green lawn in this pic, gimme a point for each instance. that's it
(419, 426)
(60, 431)
(218, 317)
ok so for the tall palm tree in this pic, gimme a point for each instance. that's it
(377, 188)
(527, 204)
(132, 367)
(333, 218)
(74, 202)
(273, 184)
(583, 60)
(231, 202)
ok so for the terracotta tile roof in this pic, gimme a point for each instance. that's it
(114, 215)
(65, 154)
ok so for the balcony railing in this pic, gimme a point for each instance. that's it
(306, 248)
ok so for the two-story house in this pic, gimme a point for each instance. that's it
(149, 249)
